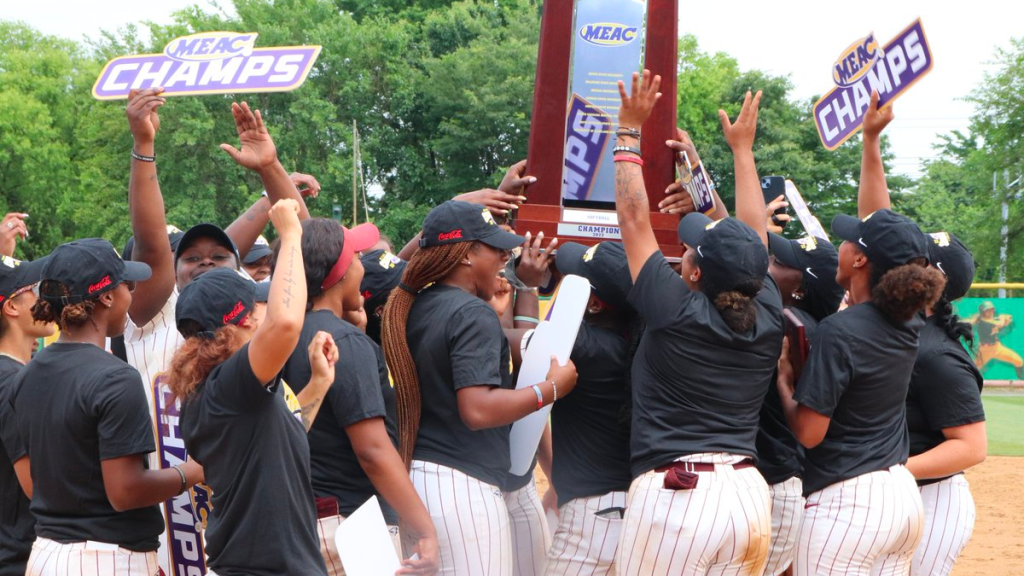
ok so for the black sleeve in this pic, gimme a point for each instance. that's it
(475, 339)
(947, 391)
(235, 388)
(827, 373)
(124, 427)
(10, 436)
(355, 394)
(659, 293)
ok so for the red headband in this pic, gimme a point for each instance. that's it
(341, 266)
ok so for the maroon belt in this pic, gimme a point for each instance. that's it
(703, 466)
(326, 507)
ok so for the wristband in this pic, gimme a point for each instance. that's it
(184, 483)
(540, 396)
(142, 158)
(630, 159)
(554, 392)
(525, 319)
(630, 149)
(626, 131)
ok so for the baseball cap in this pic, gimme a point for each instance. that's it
(986, 305)
(88, 268)
(17, 274)
(947, 253)
(731, 252)
(382, 271)
(356, 239)
(173, 235)
(818, 259)
(263, 291)
(205, 231)
(888, 239)
(213, 300)
(260, 249)
(456, 221)
(604, 265)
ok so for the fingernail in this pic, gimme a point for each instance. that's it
(668, 142)
(522, 198)
(532, 179)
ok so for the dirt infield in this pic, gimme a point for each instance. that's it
(997, 547)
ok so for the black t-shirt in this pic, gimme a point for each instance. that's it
(591, 443)
(945, 389)
(697, 385)
(256, 460)
(77, 405)
(778, 451)
(361, 390)
(456, 341)
(17, 525)
(857, 374)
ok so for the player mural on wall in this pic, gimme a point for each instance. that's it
(991, 328)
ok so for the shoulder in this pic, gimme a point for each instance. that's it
(8, 369)
(164, 320)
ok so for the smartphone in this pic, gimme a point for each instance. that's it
(772, 187)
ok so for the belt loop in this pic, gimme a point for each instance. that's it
(689, 467)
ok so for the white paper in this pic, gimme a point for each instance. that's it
(555, 336)
(803, 213)
(364, 543)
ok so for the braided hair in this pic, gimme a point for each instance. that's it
(50, 308)
(427, 266)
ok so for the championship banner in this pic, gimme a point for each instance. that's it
(863, 67)
(188, 512)
(998, 340)
(607, 47)
(809, 221)
(208, 63)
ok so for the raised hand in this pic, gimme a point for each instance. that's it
(307, 185)
(535, 262)
(516, 180)
(677, 199)
(740, 135)
(499, 202)
(323, 355)
(257, 147)
(142, 113)
(285, 216)
(12, 229)
(775, 221)
(637, 105)
(876, 120)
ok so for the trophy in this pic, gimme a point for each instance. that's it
(586, 47)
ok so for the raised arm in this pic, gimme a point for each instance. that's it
(278, 333)
(12, 228)
(631, 203)
(258, 153)
(677, 198)
(740, 137)
(873, 193)
(146, 207)
(253, 221)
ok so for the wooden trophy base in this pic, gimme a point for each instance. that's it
(590, 227)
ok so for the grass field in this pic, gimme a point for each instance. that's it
(1004, 415)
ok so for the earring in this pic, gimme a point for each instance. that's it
(797, 296)
(693, 277)
(593, 310)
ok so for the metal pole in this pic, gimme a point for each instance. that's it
(1005, 231)
(355, 173)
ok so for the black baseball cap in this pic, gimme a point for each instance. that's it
(818, 259)
(173, 235)
(214, 300)
(263, 291)
(888, 239)
(731, 252)
(205, 231)
(947, 253)
(604, 265)
(88, 268)
(260, 249)
(17, 274)
(456, 221)
(382, 271)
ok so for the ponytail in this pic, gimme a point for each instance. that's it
(902, 292)
(428, 265)
(48, 308)
(197, 357)
(951, 323)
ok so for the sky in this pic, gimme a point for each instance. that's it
(797, 38)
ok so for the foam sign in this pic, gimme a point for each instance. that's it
(208, 63)
(865, 67)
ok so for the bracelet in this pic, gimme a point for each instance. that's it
(626, 131)
(540, 396)
(184, 483)
(630, 149)
(142, 158)
(525, 319)
(631, 159)
(554, 392)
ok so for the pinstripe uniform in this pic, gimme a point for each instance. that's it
(949, 521)
(585, 542)
(50, 558)
(787, 501)
(531, 535)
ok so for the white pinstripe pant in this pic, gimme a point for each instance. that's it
(948, 524)
(868, 525)
(471, 519)
(531, 535)
(787, 512)
(724, 524)
(326, 528)
(50, 558)
(585, 543)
